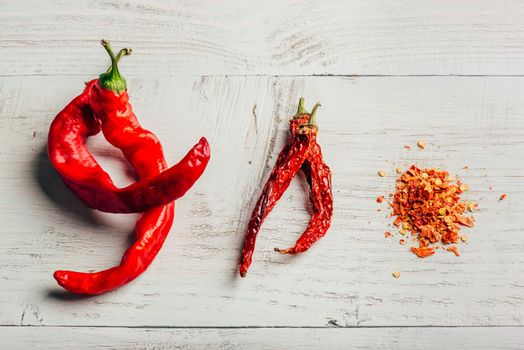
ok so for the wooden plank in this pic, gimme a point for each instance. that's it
(502, 338)
(345, 279)
(276, 37)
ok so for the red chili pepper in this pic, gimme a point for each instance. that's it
(318, 176)
(287, 165)
(103, 105)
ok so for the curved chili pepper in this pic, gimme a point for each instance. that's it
(100, 107)
(151, 230)
(318, 176)
(107, 105)
(287, 165)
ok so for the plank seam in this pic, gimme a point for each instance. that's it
(261, 327)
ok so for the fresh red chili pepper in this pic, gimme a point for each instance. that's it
(104, 105)
(318, 176)
(287, 165)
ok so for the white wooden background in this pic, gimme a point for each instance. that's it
(387, 73)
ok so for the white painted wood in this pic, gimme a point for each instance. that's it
(233, 71)
(271, 37)
(265, 339)
(345, 279)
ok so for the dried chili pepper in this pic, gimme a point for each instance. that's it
(318, 176)
(104, 106)
(302, 152)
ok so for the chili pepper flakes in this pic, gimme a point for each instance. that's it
(454, 250)
(427, 203)
(380, 199)
(421, 144)
(502, 197)
(423, 252)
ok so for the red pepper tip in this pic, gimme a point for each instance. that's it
(242, 274)
(285, 251)
(61, 277)
(205, 146)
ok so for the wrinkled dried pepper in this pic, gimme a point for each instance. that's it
(104, 106)
(318, 176)
(301, 152)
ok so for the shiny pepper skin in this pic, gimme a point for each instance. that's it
(100, 109)
(104, 106)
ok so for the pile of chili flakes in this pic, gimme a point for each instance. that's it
(427, 203)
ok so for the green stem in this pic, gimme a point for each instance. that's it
(112, 79)
(313, 118)
(301, 109)
(123, 52)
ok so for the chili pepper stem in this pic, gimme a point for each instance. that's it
(112, 79)
(301, 109)
(123, 52)
(312, 123)
(313, 118)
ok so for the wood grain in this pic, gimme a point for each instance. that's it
(358, 37)
(480, 338)
(345, 280)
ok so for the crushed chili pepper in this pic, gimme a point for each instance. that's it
(427, 203)
(423, 252)
(454, 250)
(380, 199)
(502, 197)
